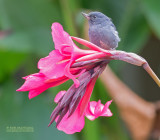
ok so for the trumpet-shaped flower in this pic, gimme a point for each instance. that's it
(68, 61)
(55, 68)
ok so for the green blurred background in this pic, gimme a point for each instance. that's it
(25, 37)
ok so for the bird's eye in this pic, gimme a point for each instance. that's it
(94, 17)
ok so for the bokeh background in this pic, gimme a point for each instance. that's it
(25, 37)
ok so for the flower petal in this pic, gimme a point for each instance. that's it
(59, 96)
(89, 113)
(36, 84)
(52, 66)
(87, 95)
(91, 45)
(96, 109)
(60, 37)
(32, 81)
(106, 111)
(74, 123)
(71, 76)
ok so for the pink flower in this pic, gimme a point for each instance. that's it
(75, 122)
(58, 67)
(55, 68)
(66, 62)
(96, 109)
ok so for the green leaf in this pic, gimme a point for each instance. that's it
(109, 125)
(91, 130)
(30, 23)
(22, 14)
(10, 62)
(37, 40)
(16, 110)
(136, 36)
(151, 9)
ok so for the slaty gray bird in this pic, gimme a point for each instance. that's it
(102, 31)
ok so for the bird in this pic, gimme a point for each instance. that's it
(102, 31)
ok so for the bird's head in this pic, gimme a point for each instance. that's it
(95, 18)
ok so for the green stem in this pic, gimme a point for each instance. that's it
(127, 20)
(68, 17)
(92, 128)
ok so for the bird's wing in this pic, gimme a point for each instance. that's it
(114, 31)
(109, 37)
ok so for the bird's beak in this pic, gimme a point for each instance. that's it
(86, 15)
